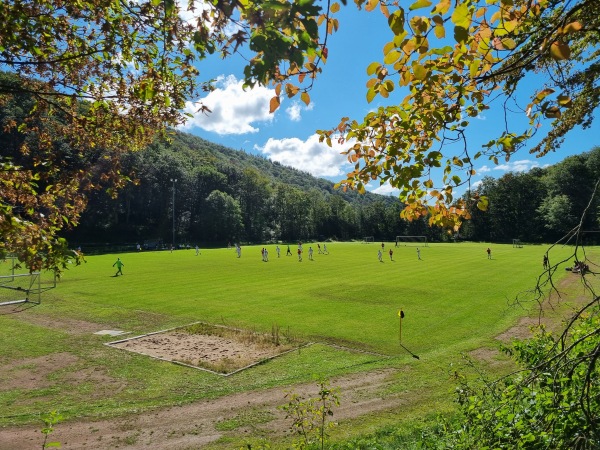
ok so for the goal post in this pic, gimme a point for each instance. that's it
(412, 241)
(368, 240)
(20, 288)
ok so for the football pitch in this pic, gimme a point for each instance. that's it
(453, 296)
(455, 301)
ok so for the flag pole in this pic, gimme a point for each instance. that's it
(400, 317)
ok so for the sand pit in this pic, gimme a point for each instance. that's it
(214, 348)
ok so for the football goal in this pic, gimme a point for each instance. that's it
(18, 286)
(368, 240)
(420, 241)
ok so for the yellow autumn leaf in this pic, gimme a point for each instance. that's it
(440, 31)
(572, 27)
(442, 7)
(391, 57)
(371, 5)
(274, 104)
(305, 98)
(560, 51)
(291, 90)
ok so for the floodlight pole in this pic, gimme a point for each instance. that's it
(173, 180)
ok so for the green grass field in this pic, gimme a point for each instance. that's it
(455, 300)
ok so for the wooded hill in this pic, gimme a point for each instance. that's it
(225, 195)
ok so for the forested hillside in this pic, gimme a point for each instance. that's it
(541, 205)
(226, 195)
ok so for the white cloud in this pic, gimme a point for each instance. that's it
(385, 189)
(294, 111)
(523, 165)
(234, 110)
(476, 184)
(310, 155)
(484, 169)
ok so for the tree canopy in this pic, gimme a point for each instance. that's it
(452, 61)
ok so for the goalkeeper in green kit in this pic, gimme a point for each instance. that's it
(119, 265)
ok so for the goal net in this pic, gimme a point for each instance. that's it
(517, 243)
(368, 240)
(420, 241)
(19, 286)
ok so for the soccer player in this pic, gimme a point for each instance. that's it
(379, 256)
(310, 253)
(278, 250)
(319, 247)
(197, 250)
(120, 266)
(300, 254)
(489, 253)
(289, 252)
(418, 253)
(325, 249)
(391, 255)
(238, 249)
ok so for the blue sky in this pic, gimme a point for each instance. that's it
(241, 119)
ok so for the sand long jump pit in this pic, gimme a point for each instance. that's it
(214, 348)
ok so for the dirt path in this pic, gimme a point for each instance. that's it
(195, 425)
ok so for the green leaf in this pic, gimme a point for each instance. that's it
(474, 68)
(371, 93)
(509, 43)
(396, 21)
(420, 72)
(460, 34)
(420, 4)
(461, 17)
(372, 68)
(169, 7)
(392, 57)
(565, 100)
